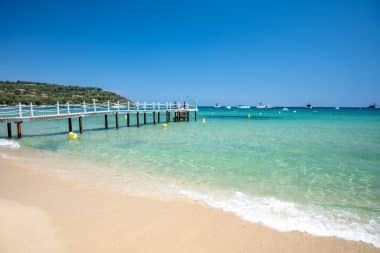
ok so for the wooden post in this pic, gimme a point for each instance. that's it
(137, 119)
(117, 120)
(167, 117)
(144, 118)
(9, 126)
(19, 129)
(106, 121)
(187, 116)
(154, 117)
(128, 117)
(70, 125)
(158, 117)
(195, 115)
(80, 120)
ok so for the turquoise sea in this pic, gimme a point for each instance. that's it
(308, 170)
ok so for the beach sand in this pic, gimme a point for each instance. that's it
(43, 211)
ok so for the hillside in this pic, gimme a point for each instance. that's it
(45, 93)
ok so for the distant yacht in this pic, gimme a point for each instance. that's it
(285, 109)
(228, 107)
(244, 107)
(373, 106)
(337, 108)
(263, 106)
(217, 105)
(309, 106)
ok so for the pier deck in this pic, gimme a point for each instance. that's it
(22, 113)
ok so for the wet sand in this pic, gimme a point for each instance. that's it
(44, 211)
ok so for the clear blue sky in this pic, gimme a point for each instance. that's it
(231, 52)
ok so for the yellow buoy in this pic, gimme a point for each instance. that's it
(204, 121)
(165, 125)
(72, 136)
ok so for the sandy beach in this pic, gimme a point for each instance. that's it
(43, 211)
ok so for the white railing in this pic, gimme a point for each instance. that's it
(25, 111)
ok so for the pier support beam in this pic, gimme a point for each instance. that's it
(70, 124)
(195, 115)
(117, 120)
(144, 118)
(187, 116)
(137, 119)
(158, 117)
(80, 120)
(106, 121)
(9, 128)
(19, 129)
(167, 117)
(154, 117)
(128, 119)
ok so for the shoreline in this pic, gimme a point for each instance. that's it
(51, 212)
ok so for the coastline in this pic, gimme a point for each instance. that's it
(45, 211)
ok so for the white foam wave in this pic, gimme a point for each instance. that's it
(9, 144)
(287, 216)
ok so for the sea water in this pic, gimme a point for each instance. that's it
(313, 170)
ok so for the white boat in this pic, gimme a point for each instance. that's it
(261, 106)
(285, 109)
(217, 105)
(228, 107)
(244, 107)
(337, 108)
(309, 106)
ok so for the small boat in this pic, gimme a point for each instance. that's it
(244, 107)
(285, 109)
(309, 106)
(373, 106)
(217, 105)
(261, 106)
(337, 108)
(228, 107)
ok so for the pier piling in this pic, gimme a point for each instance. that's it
(144, 118)
(116, 119)
(158, 117)
(137, 119)
(19, 129)
(128, 119)
(80, 120)
(154, 117)
(9, 128)
(70, 124)
(106, 121)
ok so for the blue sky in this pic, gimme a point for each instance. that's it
(231, 52)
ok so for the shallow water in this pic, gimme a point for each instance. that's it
(308, 170)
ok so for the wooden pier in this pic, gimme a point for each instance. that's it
(23, 113)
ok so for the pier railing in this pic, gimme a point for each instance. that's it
(30, 112)
(34, 112)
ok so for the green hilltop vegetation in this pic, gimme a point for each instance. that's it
(12, 93)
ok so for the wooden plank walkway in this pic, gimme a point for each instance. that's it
(21, 113)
